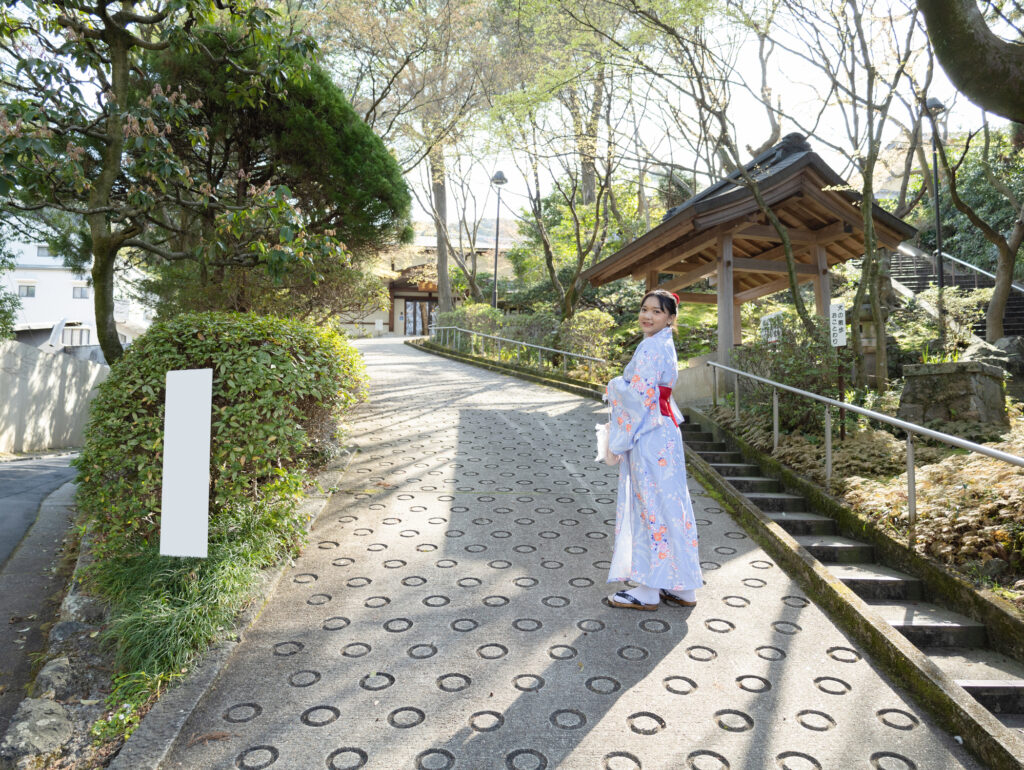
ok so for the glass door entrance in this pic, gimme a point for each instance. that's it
(417, 316)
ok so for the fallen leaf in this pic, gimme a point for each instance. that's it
(89, 701)
(24, 630)
(207, 737)
(94, 634)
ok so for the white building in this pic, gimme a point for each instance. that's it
(52, 295)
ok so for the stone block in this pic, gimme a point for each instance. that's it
(39, 729)
(963, 390)
(56, 676)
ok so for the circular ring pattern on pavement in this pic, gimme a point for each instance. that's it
(242, 712)
(525, 759)
(257, 758)
(347, 758)
(796, 760)
(406, 717)
(304, 678)
(679, 685)
(435, 759)
(645, 723)
(818, 721)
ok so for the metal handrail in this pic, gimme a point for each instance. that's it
(500, 340)
(913, 251)
(909, 427)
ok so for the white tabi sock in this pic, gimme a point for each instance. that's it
(645, 594)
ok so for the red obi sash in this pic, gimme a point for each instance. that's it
(664, 393)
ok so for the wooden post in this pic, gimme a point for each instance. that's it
(725, 299)
(737, 325)
(652, 280)
(822, 283)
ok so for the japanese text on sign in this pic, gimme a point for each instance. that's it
(837, 325)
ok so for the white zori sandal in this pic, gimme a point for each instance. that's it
(627, 601)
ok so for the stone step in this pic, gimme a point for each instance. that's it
(689, 436)
(928, 625)
(735, 469)
(706, 446)
(835, 549)
(754, 484)
(720, 457)
(876, 582)
(994, 679)
(777, 501)
(1000, 696)
(803, 522)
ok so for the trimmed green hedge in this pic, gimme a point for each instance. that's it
(278, 388)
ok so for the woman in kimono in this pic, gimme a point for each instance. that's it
(655, 531)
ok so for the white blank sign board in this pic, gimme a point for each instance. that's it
(185, 510)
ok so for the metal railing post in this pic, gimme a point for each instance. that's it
(714, 387)
(499, 350)
(828, 442)
(911, 491)
(775, 419)
(736, 393)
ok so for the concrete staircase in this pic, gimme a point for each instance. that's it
(955, 643)
(917, 274)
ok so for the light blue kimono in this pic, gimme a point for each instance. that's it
(655, 531)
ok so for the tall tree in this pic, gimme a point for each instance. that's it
(83, 132)
(419, 72)
(344, 188)
(984, 65)
(1001, 173)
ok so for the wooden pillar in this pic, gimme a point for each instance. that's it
(391, 312)
(822, 283)
(737, 325)
(652, 280)
(725, 299)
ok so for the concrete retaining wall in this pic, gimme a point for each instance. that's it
(44, 398)
(695, 383)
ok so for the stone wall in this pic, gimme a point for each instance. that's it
(964, 390)
(44, 398)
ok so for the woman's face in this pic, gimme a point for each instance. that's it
(653, 318)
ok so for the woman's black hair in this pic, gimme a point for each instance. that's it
(665, 299)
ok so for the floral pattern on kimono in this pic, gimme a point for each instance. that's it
(655, 531)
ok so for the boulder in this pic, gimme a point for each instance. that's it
(1014, 349)
(986, 354)
(56, 676)
(968, 391)
(67, 629)
(39, 729)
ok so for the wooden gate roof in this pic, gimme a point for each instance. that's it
(817, 206)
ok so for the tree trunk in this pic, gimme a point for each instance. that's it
(1000, 294)
(439, 192)
(987, 69)
(105, 242)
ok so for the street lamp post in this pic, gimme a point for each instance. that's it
(934, 108)
(497, 180)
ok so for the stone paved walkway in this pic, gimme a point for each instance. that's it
(447, 614)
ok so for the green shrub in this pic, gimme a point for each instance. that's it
(278, 387)
(799, 360)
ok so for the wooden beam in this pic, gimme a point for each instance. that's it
(822, 282)
(769, 288)
(796, 235)
(758, 265)
(725, 299)
(685, 249)
(682, 280)
(694, 298)
(652, 279)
